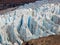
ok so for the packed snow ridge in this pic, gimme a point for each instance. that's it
(30, 21)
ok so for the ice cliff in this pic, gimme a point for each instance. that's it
(30, 21)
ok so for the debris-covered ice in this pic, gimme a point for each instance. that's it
(28, 22)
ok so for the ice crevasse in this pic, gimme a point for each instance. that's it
(29, 22)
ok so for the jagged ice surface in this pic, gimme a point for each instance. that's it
(29, 22)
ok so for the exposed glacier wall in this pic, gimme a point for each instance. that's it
(30, 21)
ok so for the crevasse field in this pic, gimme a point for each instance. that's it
(29, 21)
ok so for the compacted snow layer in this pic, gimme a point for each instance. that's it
(30, 21)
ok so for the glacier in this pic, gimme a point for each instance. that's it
(31, 21)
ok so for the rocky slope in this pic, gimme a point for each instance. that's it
(4, 4)
(50, 40)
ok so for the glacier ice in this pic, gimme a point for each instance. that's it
(25, 33)
(30, 21)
